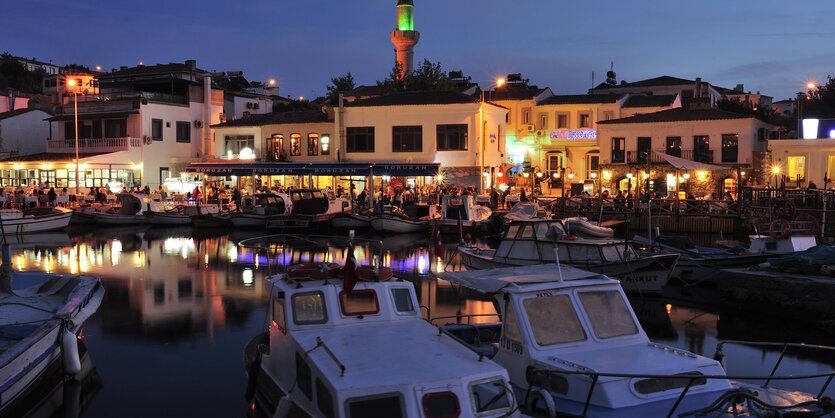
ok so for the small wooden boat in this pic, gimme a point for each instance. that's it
(330, 351)
(34, 220)
(131, 211)
(351, 221)
(178, 215)
(211, 221)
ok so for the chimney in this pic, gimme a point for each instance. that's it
(739, 88)
(698, 90)
(191, 64)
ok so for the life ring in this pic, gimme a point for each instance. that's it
(814, 224)
(785, 229)
(369, 274)
(312, 271)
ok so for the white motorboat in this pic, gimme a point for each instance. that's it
(351, 221)
(173, 214)
(398, 224)
(539, 241)
(260, 207)
(130, 212)
(366, 352)
(456, 215)
(40, 317)
(34, 220)
(574, 347)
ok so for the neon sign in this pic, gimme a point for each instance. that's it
(574, 134)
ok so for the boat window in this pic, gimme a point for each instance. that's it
(359, 302)
(441, 405)
(491, 395)
(304, 379)
(541, 230)
(317, 194)
(553, 320)
(324, 399)
(608, 314)
(402, 300)
(611, 252)
(512, 230)
(655, 385)
(387, 405)
(279, 317)
(527, 232)
(309, 308)
(306, 195)
(584, 253)
(511, 325)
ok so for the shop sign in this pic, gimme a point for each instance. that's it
(574, 134)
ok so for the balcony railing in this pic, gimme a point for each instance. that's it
(90, 145)
(640, 157)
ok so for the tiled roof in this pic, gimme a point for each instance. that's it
(664, 80)
(679, 115)
(413, 98)
(513, 93)
(13, 113)
(275, 118)
(582, 99)
(660, 100)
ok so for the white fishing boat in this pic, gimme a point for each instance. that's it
(456, 215)
(398, 224)
(260, 207)
(574, 347)
(351, 221)
(783, 237)
(130, 211)
(174, 214)
(366, 352)
(34, 220)
(40, 317)
(540, 241)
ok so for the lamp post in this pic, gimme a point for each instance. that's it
(537, 181)
(498, 83)
(270, 83)
(810, 87)
(73, 83)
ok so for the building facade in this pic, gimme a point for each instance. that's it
(24, 131)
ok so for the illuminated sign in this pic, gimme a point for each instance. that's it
(574, 134)
(810, 128)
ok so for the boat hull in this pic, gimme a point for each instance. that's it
(397, 225)
(246, 220)
(162, 218)
(44, 223)
(349, 221)
(207, 221)
(117, 219)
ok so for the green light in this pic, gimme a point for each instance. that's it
(405, 17)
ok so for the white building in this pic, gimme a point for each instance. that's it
(33, 65)
(24, 131)
(666, 85)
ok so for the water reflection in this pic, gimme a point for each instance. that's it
(181, 304)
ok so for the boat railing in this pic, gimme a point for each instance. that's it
(543, 375)
(784, 347)
(459, 317)
(320, 343)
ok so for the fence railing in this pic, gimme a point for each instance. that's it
(86, 145)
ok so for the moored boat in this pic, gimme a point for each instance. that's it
(574, 347)
(130, 212)
(34, 220)
(330, 352)
(397, 224)
(351, 221)
(258, 208)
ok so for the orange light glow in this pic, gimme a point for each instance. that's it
(811, 85)
(500, 82)
(71, 82)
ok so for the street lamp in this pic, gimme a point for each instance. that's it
(810, 88)
(270, 83)
(72, 83)
(498, 83)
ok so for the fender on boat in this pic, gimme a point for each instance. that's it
(69, 350)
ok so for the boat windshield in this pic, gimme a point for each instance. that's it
(584, 253)
(318, 195)
(608, 314)
(612, 252)
(490, 395)
(553, 320)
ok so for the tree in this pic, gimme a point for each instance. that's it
(736, 105)
(339, 85)
(821, 101)
(428, 76)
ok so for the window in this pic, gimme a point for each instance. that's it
(526, 116)
(584, 120)
(360, 139)
(701, 149)
(389, 405)
(407, 138)
(279, 315)
(510, 325)
(542, 121)
(655, 385)
(618, 150)
(359, 302)
(730, 148)
(644, 149)
(156, 129)
(592, 163)
(236, 143)
(674, 146)
(159, 293)
(452, 137)
(324, 399)
(326, 144)
(183, 132)
(796, 168)
(312, 144)
(562, 120)
(116, 128)
(608, 314)
(184, 289)
(295, 144)
(608, 115)
(541, 312)
(276, 145)
(441, 405)
(403, 300)
(304, 379)
(490, 395)
(309, 308)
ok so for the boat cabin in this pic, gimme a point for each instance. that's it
(534, 241)
(579, 322)
(308, 201)
(337, 204)
(338, 351)
(266, 204)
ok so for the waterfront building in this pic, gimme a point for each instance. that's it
(801, 162)
(633, 150)
(24, 131)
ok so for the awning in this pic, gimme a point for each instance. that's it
(97, 115)
(682, 164)
(317, 169)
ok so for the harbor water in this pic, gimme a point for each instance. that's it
(181, 304)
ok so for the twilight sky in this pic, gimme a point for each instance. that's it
(773, 46)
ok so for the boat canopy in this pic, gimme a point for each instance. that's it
(495, 280)
(219, 168)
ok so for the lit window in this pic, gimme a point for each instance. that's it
(796, 167)
(295, 144)
(359, 302)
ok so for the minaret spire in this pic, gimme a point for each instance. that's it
(405, 37)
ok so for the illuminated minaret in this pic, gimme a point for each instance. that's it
(404, 37)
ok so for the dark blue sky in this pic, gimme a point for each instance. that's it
(771, 46)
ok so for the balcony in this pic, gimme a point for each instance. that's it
(92, 145)
(640, 157)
